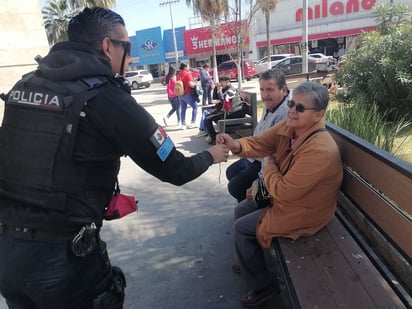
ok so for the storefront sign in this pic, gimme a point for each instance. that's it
(200, 39)
(149, 46)
(168, 44)
(335, 8)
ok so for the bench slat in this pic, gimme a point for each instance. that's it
(332, 261)
(396, 225)
(371, 164)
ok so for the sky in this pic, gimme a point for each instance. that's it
(144, 14)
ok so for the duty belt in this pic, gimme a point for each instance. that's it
(25, 233)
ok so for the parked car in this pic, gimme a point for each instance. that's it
(195, 73)
(262, 64)
(139, 78)
(324, 62)
(230, 68)
(293, 65)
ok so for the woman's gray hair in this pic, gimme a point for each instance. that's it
(318, 93)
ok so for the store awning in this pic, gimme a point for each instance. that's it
(320, 36)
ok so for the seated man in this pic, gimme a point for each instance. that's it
(275, 94)
(227, 96)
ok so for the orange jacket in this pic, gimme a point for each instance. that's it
(303, 181)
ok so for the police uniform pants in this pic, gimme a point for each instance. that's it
(40, 275)
(249, 253)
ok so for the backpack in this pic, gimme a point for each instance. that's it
(179, 89)
(237, 104)
(199, 89)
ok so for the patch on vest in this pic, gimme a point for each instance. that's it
(36, 98)
(162, 143)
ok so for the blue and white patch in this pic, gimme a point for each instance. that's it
(164, 151)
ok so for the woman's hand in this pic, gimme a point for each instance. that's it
(230, 143)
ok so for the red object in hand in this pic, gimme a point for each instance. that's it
(227, 105)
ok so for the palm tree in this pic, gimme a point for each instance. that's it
(267, 6)
(56, 16)
(210, 11)
(108, 4)
(57, 13)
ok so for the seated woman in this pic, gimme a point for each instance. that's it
(302, 172)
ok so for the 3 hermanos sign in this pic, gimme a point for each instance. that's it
(327, 8)
(200, 39)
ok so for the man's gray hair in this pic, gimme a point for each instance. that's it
(275, 74)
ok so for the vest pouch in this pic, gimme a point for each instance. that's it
(29, 155)
(119, 206)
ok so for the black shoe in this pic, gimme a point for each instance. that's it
(254, 298)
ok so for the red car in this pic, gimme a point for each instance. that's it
(195, 74)
(230, 68)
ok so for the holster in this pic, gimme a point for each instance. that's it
(110, 292)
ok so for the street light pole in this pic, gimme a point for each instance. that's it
(305, 38)
(170, 2)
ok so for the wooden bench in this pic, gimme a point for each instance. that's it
(248, 122)
(363, 257)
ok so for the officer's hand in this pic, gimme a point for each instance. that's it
(220, 153)
(226, 139)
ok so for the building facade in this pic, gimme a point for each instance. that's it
(22, 38)
(333, 28)
(331, 24)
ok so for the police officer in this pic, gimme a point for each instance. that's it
(64, 130)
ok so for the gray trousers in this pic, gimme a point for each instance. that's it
(250, 254)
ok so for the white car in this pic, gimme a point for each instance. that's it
(139, 78)
(262, 64)
(325, 63)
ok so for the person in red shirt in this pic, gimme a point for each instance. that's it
(187, 98)
(173, 98)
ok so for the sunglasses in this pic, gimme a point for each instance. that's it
(300, 108)
(125, 44)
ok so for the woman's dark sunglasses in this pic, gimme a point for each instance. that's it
(125, 44)
(300, 108)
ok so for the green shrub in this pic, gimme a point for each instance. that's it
(380, 71)
(369, 124)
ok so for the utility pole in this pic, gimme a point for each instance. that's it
(170, 2)
(305, 38)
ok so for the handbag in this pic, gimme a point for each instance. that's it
(261, 196)
(197, 91)
(120, 205)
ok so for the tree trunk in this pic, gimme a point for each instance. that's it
(240, 49)
(213, 30)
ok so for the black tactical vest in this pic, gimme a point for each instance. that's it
(37, 140)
